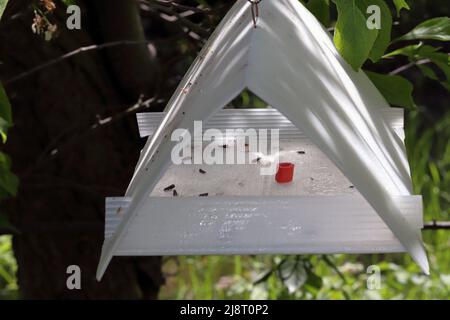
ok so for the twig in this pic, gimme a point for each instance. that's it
(179, 17)
(338, 272)
(409, 65)
(269, 272)
(72, 54)
(53, 145)
(176, 5)
(139, 105)
(18, 15)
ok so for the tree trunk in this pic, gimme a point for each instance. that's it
(68, 163)
(133, 66)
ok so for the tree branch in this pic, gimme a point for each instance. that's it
(437, 225)
(70, 55)
(408, 66)
(175, 5)
(179, 17)
(135, 69)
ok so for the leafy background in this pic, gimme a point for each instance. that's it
(406, 59)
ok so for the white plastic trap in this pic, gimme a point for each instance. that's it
(352, 189)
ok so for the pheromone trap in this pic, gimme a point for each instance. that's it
(351, 192)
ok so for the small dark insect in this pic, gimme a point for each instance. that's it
(246, 144)
(224, 146)
(258, 159)
(175, 193)
(169, 187)
(351, 187)
(203, 195)
(201, 171)
(301, 152)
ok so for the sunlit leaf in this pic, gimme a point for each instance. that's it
(384, 33)
(433, 29)
(352, 37)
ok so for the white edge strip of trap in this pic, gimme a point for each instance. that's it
(268, 118)
(257, 225)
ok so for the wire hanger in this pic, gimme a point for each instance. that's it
(255, 10)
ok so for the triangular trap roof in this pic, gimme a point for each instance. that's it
(290, 62)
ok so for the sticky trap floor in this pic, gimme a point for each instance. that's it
(232, 209)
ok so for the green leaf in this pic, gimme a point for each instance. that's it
(428, 72)
(399, 5)
(69, 2)
(433, 29)
(384, 33)
(314, 280)
(9, 183)
(3, 4)
(446, 85)
(293, 274)
(352, 37)
(420, 51)
(5, 113)
(4, 126)
(320, 9)
(395, 89)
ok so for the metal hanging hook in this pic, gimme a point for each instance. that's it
(255, 10)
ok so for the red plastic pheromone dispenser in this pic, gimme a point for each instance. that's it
(285, 172)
